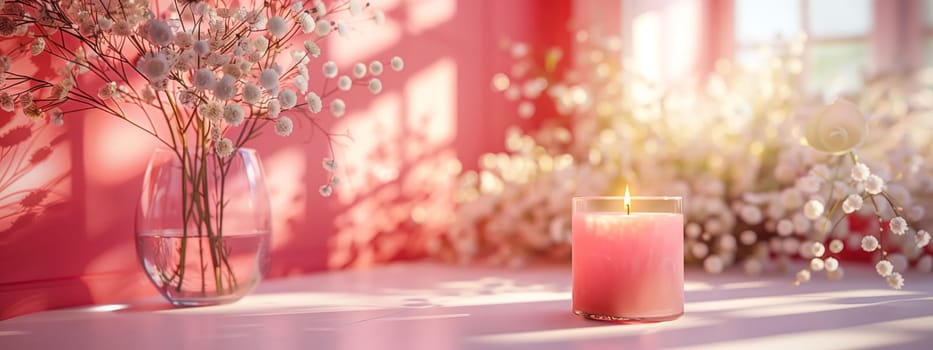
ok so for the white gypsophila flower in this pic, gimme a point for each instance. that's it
(803, 276)
(37, 46)
(791, 198)
(212, 111)
(184, 39)
(852, 204)
(922, 238)
(751, 215)
(375, 86)
(699, 250)
(874, 184)
(306, 22)
(359, 70)
(342, 28)
(259, 21)
(148, 95)
(225, 88)
(860, 172)
(925, 264)
(312, 48)
(337, 107)
(379, 17)
(329, 69)
(6, 102)
(297, 6)
(344, 83)
(884, 268)
(259, 44)
(837, 128)
(801, 223)
(898, 226)
(154, 66)
(107, 91)
(748, 237)
(818, 249)
(813, 209)
(895, 280)
(105, 23)
(821, 170)
(217, 59)
(187, 98)
(356, 7)
(326, 190)
(277, 26)
(375, 67)
(329, 164)
(727, 243)
(201, 47)
(251, 93)
(224, 147)
(57, 117)
(301, 82)
(314, 102)
(269, 79)
(693, 230)
(397, 63)
(233, 70)
(323, 28)
(283, 126)
(831, 264)
(274, 108)
(186, 60)
(713, 264)
(817, 264)
(836, 246)
(808, 184)
(288, 98)
(869, 243)
(158, 32)
(233, 114)
(319, 7)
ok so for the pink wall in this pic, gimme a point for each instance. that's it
(78, 245)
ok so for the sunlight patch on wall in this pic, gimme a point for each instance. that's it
(374, 156)
(426, 14)
(366, 41)
(646, 43)
(431, 101)
(286, 175)
(115, 152)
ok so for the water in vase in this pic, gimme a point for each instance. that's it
(192, 271)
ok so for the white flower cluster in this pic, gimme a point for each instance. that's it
(757, 197)
(216, 71)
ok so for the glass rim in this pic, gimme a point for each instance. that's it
(662, 198)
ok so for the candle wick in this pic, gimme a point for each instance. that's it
(628, 209)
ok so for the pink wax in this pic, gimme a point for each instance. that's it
(628, 266)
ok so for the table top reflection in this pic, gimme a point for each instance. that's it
(429, 306)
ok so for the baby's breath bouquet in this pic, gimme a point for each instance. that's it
(764, 168)
(204, 78)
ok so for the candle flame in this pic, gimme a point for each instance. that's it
(628, 201)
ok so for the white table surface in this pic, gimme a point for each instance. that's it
(427, 306)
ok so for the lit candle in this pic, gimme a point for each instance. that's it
(628, 258)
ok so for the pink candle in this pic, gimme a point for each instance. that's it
(628, 266)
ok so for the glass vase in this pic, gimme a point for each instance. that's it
(203, 225)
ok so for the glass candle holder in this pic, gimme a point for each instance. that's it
(628, 258)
